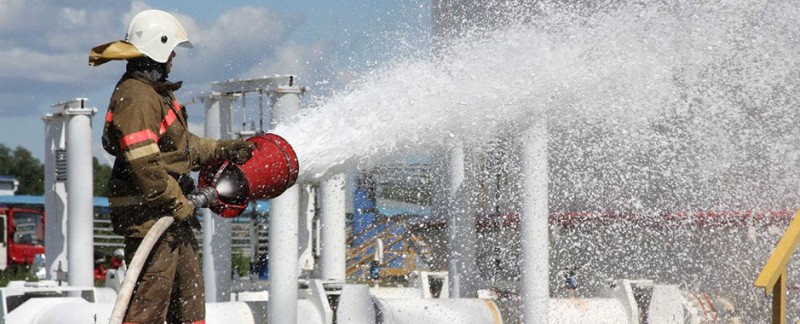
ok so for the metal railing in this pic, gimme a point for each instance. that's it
(105, 238)
(360, 255)
(412, 247)
(773, 276)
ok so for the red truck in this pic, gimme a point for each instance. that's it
(21, 236)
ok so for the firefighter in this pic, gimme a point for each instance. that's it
(147, 131)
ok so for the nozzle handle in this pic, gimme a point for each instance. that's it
(202, 197)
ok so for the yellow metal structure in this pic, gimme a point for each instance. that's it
(773, 276)
(358, 258)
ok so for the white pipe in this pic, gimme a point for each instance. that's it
(80, 213)
(285, 105)
(355, 306)
(534, 225)
(379, 248)
(419, 311)
(135, 268)
(55, 244)
(283, 245)
(454, 247)
(308, 202)
(332, 222)
(283, 227)
(460, 226)
(78, 310)
(217, 230)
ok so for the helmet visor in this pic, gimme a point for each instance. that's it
(185, 44)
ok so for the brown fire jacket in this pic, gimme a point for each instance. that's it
(147, 131)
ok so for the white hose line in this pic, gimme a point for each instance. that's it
(135, 268)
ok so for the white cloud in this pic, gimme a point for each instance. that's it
(74, 16)
(64, 68)
(242, 26)
(81, 29)
(290, 58)
(15, 15)
(46, 45)
(234, 43)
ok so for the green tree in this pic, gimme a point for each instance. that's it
(29, 171)
(5, 160)
(102, 172)
(21, 164)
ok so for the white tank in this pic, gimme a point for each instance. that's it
(438, 311)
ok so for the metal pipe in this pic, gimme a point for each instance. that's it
(285, 104)
(217, 230)
(283, 245)
(593, 310)
(260, 110)
(355, 306)
(55, 244)
(305, 256)
(534, 226)
(78, 310)
(332, 223)
(284, 227)
(460, 226)
(454, 247)
(80, 213)
(418, 310)
(244, 111)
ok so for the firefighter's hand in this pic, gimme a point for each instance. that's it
(201, 198)
(236, 151)
(184, 212)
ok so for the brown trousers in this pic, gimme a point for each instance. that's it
(170, 287)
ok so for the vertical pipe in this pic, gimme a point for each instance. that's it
(244, 111)
(332, 224)
(254, 237)
(260, 110)
(439, 192)
(221, 247)
(283, 245)
(534, 225)
(55, 242)
(283, 228)
(454, 212)
(80, 213)
(285, 105)
(305, 258)
(460, 225)
(217, 230)
(467, 225)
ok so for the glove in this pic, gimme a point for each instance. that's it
(236, 151)
(184, 212)
(201, 198)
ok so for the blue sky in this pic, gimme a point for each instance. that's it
(44, 46)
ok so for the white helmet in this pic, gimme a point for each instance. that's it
(156, 33)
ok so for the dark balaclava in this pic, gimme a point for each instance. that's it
(152, 70)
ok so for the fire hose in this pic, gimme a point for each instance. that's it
(201, 198)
